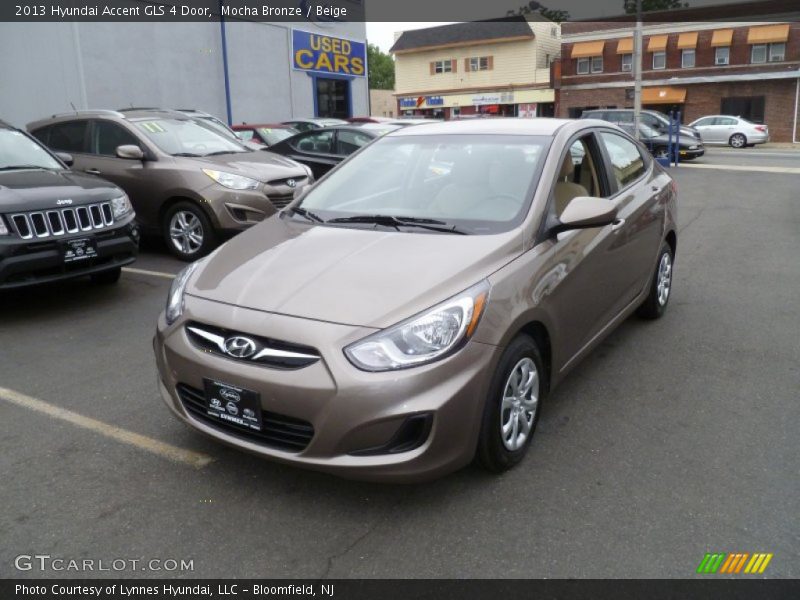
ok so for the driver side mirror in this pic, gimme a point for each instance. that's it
(65, 158)
(585, 212)
(130, 151)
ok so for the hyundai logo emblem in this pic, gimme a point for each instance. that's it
(239, 347)
(291, 183)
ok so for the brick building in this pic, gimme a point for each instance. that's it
(499, 67)
(745, 68)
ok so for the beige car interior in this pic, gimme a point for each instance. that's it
(575, 180)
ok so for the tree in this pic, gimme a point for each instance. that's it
(650, 5)
(557, 16)
(381, 69)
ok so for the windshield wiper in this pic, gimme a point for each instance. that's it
(397, 222)
(221, 152)
(298, 210)
(21, 167)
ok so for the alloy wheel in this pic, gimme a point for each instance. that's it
(738, 140)
(519, 405)
(664, 278)
(186, 232)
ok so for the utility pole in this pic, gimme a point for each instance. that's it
(637, 70)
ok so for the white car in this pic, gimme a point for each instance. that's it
(733, 131)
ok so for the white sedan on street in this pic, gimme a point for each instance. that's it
(730, 131)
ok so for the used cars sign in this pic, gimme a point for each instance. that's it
(326, 54)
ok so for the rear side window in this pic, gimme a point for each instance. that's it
(320, 142)
(350, 141)
(626, 160)
(107, 136)
(68, 137)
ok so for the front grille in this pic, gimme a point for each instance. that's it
(277, 431)
(281, 201)
(58, 222)
(265, 351)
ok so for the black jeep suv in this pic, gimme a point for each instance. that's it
(55, 223)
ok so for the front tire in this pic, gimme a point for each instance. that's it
(512, 408)
(655, 305)
(737, 140)
(188, 231)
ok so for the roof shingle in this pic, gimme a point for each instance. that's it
(458, 33)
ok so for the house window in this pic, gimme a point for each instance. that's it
(722, 55)
(659, 60)
(627, 62)
(597, 64)
(777, 52)
(553, 31)
(759, 53)
(443, 66)
(479, 63)
(687, 58)
(583, 66)
(546, 60)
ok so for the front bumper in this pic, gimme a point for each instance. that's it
(690, 154)
(236, 210)
(354, 414)
(31, 262)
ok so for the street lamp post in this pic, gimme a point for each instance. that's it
(637, 69)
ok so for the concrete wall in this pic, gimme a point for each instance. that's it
(46, 67)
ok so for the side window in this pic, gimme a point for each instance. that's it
(350, 141)
(320, 142)
(577, 175)
(42, 135)
(726, 121)
(107, 136)
(245, 134)
(626, 160)
(68, 137)
(705, 122)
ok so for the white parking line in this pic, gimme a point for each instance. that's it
(146, 272)
(753, 168)
(173, 453)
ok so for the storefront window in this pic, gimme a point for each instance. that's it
(333, 98)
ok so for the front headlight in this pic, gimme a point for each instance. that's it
(3, 228)
(175, 299)
(424, 338)
(693, 147)
(231, 180)
(121, 206)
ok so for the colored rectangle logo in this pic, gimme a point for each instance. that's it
(734, 563)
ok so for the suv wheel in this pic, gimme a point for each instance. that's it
(188, 231)
(738, 140)
(513, 406)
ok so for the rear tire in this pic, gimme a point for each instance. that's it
(109, 277)
(655, 305)
(512, 408)
(737, 140)
(188, 231)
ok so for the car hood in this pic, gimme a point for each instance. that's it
(260, 165)
(359, 277)
(36, 189)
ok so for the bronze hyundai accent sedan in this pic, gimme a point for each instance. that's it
(411, 310)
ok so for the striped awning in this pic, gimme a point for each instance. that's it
(768, 34)
(663, 95)
(687, 40)
(625, 46)
(587, 49)
(657, 43)
(722, 37)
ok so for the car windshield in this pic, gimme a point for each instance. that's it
(648, 131)
(186, 137)
(18, 151)
(473, 183)
(273, 136)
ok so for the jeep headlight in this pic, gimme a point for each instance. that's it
(121, 206)
(231, 180)
(175, 299)
(424, 338)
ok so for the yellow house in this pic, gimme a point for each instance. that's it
(499, 67)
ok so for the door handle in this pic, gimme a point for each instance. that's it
(615, 226)
(93, 171)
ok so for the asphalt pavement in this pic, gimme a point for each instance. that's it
(674, 438)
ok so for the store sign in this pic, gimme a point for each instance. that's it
(483, 99)
(422, 102)
(527, 110)
(326, 54)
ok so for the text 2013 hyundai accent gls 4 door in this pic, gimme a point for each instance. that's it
(415, 306)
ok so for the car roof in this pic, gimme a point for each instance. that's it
(258, 125)
(502, 126)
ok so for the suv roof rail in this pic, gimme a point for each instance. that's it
(91, 111)
(132, 108)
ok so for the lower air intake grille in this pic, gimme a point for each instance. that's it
(277, 431)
